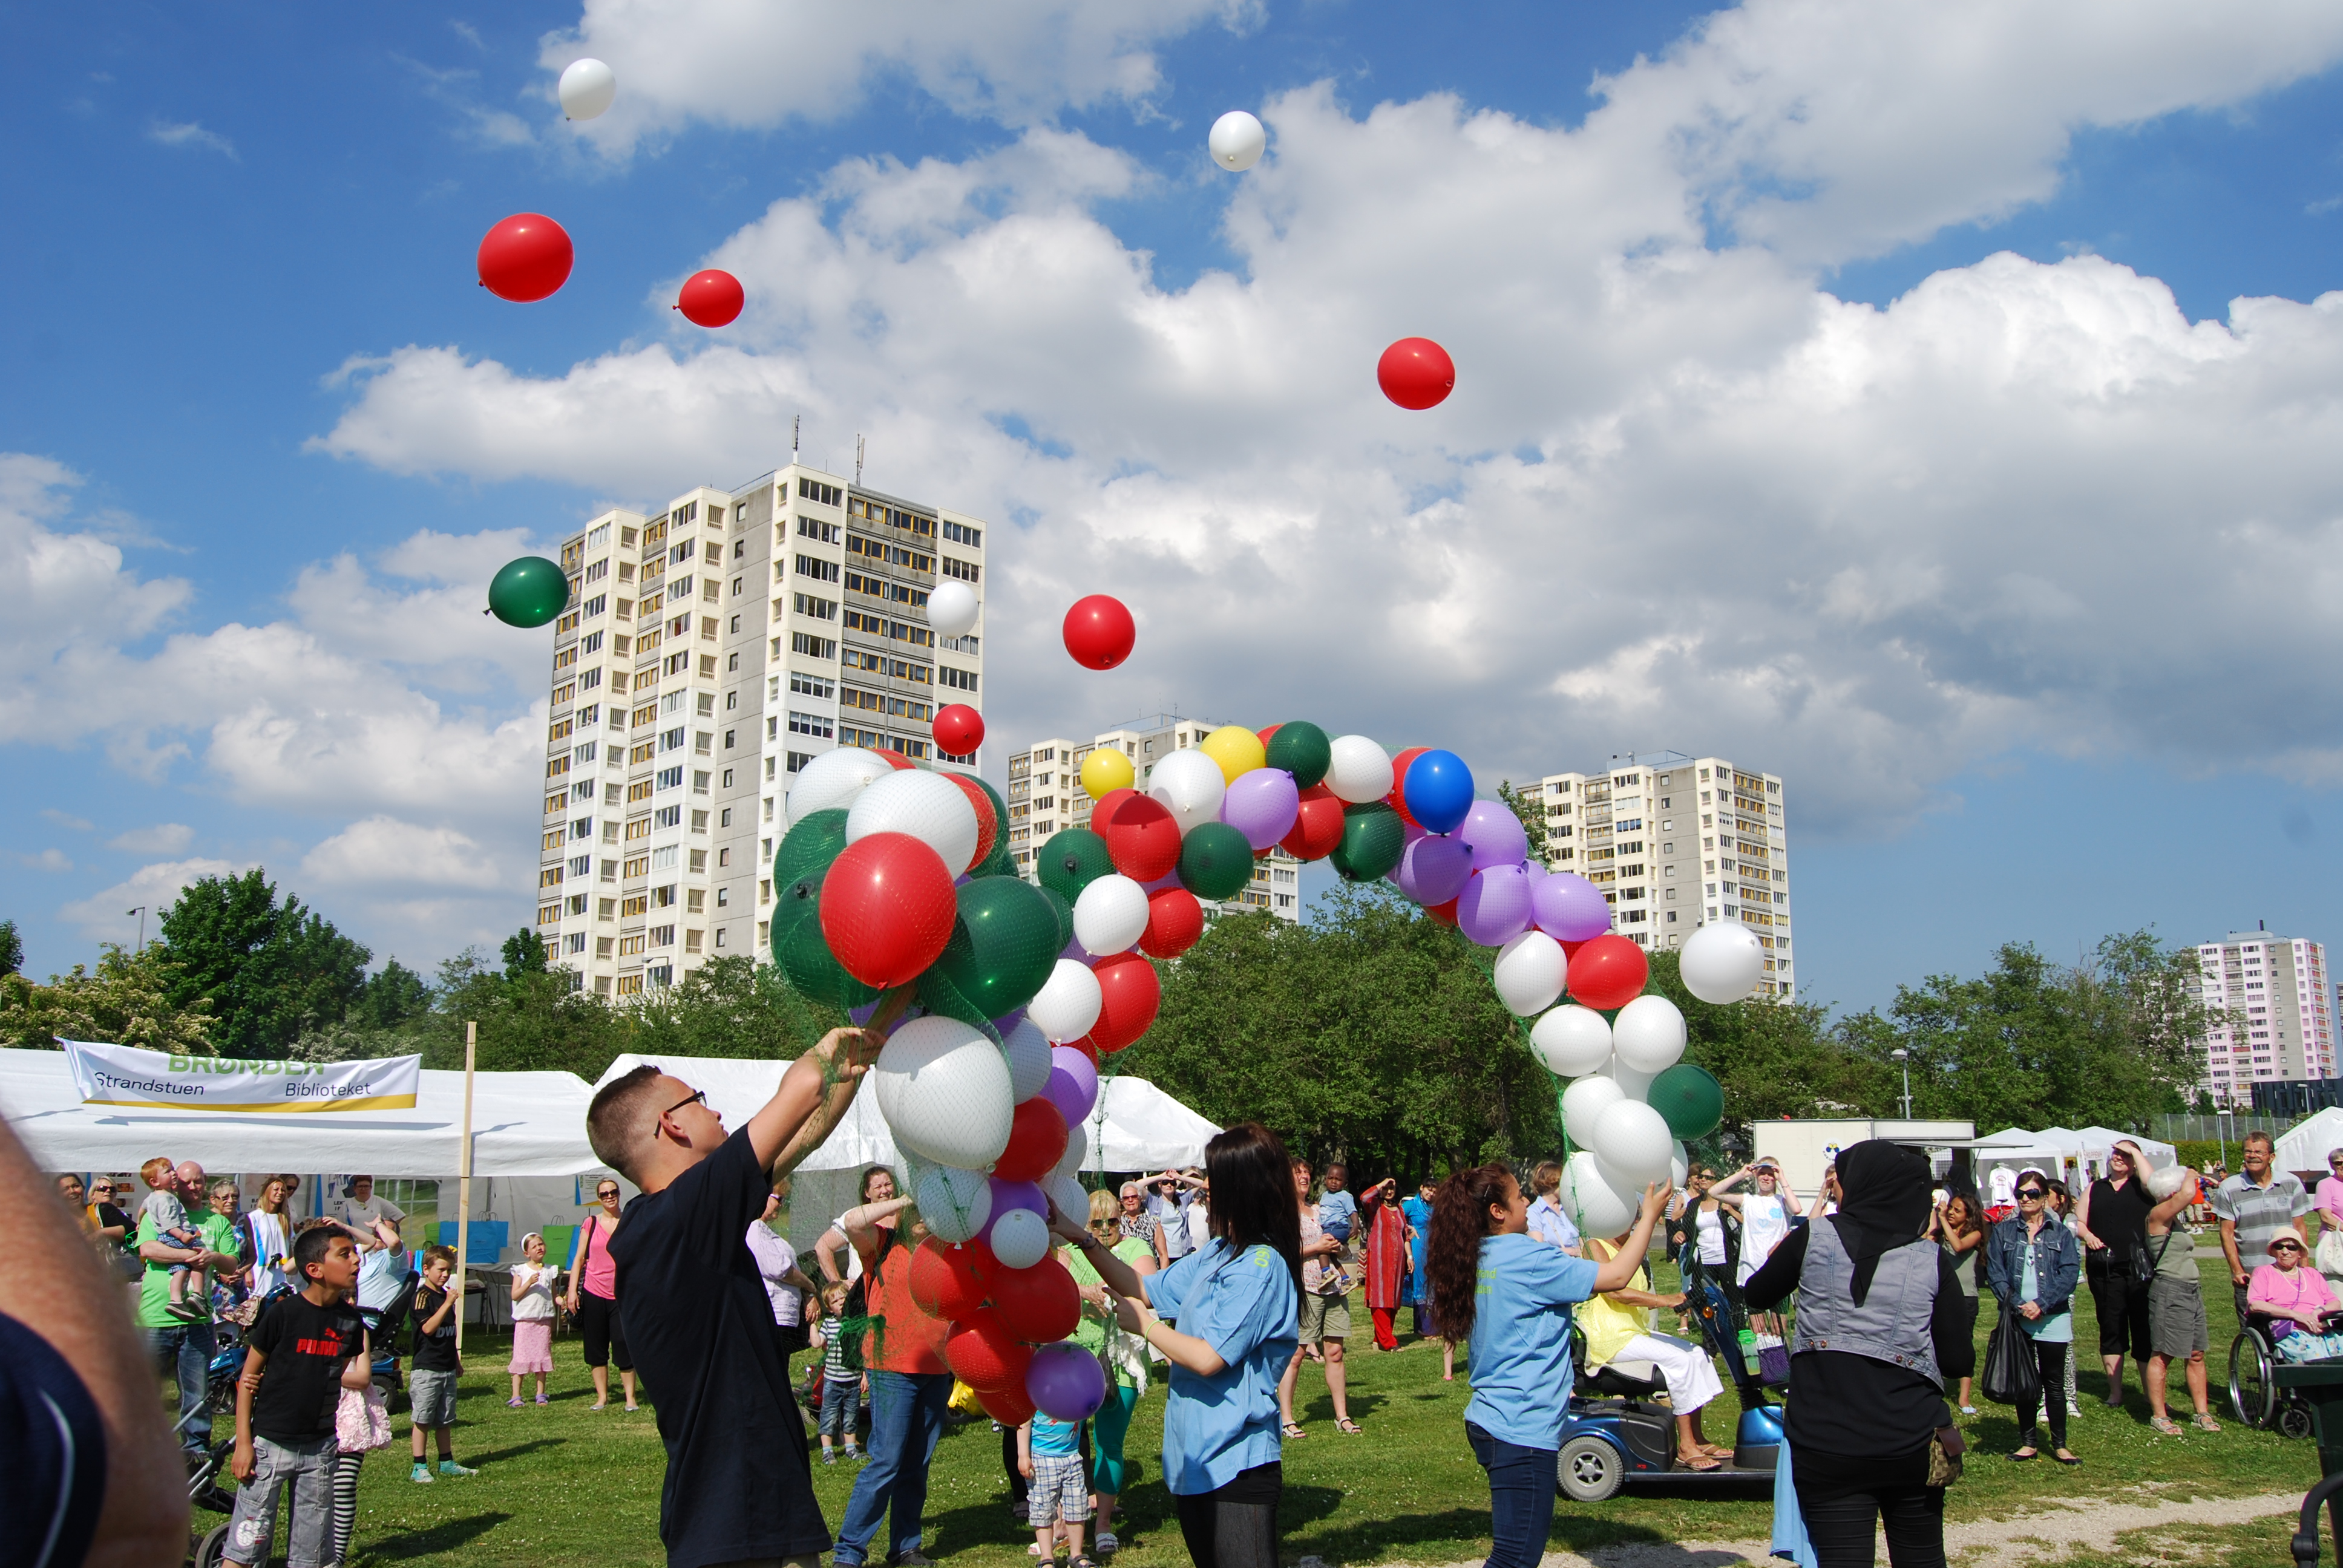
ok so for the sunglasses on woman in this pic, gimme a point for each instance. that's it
(2288, 1247)
(2031, 1194)
(607, 1192)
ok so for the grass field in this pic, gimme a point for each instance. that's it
(562, 1484)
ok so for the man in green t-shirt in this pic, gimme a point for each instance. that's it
(177, 1345)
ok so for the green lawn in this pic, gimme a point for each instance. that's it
(562, 1484)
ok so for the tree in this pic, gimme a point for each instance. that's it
(525, 953)
(529, 1021)
(266, 970)
(128, 1001)
(731, 1005)
(390, 998)
(1774, 1058)
(12, 948)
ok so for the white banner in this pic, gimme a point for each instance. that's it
(125, 1075)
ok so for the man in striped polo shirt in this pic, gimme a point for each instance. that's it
(2253, 1206)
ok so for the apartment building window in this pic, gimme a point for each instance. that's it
(670, 778)
(664, 817)
(828, 494)
(962, 534)
(800, 761)
(812, 529)
(812, 646)
(817, 609)
(958, 679)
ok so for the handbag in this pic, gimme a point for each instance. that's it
(1945, 1446)
(2011, 1375)
(2329, 1254)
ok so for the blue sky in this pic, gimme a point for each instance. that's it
(2015, 573)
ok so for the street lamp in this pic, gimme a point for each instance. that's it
(1903, 1058)
(141, 912)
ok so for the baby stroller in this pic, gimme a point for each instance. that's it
(210, 1489)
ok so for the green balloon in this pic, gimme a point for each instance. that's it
(1301, 748)
(1070, 862)
(801, 951)
(1373, 838)
(529, 592)
(1689, 1099)
(940, 995)
(1215, 862)
(1065, 913)
(809, 846)
(1003, 945)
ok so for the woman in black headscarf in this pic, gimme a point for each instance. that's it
(1881, 1324)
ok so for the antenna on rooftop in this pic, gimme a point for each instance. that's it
(796, 420)
(857, 458)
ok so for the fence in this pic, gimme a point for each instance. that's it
(2221, 1129)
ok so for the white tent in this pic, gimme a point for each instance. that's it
(2305, 1146)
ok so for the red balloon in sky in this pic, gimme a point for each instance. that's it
(1142, 837)
(1131, 994)
(1415, 373)
(887, 909)
(525, 258)
(959, 728)
(1317, 827)
(711, 298)
(1397, 798)
(1175, 922)
(1607, 972)
(1100, 632)
(1037, 1141)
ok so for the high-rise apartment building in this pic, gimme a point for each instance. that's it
(1674, 842)
(2273, 991)
(708, 653)
(1046, 795)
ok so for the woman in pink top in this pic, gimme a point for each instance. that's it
(2328, 1201)
(2296, 1299)
(594, 1297)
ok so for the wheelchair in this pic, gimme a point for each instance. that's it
(2255, 1397)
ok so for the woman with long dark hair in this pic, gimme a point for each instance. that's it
(1960, 1231)
(1236, 1301)
(1509, 1297)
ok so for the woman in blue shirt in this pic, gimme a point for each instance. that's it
(1509, 1297)
(1236, 1301)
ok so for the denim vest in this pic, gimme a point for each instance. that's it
(1893, 1323)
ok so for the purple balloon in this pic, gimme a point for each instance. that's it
(1066, 1381)
(1008, 1195)
(1169, 878)
(1494, 906)
(1568, 907)
(1262, 804)
(1496, 835)
(1010, 1022)
(1073, 1083)
(1432, 869)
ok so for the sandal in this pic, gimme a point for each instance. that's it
(2204, 1423)
(2025, 1454)
(1703, 1462)
(2165, 1424)
(1347, 1427)
(1293, 1429)
(2065, 1457)
(1082, 1562)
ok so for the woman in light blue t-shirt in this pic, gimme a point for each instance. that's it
(1236, 1301)
(1509, 1297)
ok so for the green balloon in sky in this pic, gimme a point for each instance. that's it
(1301, 748)
(809, 846)
(1373, 838)
(1071, 860)
(1215, 862)
(1003, 945)
(529, 592)
(800, 867)
(1689, 1099)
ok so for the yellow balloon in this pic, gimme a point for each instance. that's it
(1236, 750)
(1106, 770)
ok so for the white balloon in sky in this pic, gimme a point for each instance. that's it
(1237, 141)
(588, 88)
(951, 609)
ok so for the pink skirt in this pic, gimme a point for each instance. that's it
(532, 1346)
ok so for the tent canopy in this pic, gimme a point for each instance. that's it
(2307, 1143)
(523, 1124)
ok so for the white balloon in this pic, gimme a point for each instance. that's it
(1027, 1049)
(1721, 961)
(1361, 770)
(1583, 1105)
(587, 89)
(1067, 1004)
(1190, 785)
(1633, 1141)
(1649, 1034)
(832, 780)
(1078, 1149)
(954, 1203)
(1595, 1205)
(951, 608)
(1679, 1165)
(1110, 915)
(1633, 1084)
(1237, 141)
(1529, 972)
(944, 1090)
(1572, 1040)
(1069, 1195)
(1021, 1238)
(928, 807)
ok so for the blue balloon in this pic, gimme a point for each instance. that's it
(1438, 790)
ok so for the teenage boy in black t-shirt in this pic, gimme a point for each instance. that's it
(432, 1378)
(293, 1363)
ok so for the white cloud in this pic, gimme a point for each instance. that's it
(49, 859)
(383, 853)
(162, 839)
(65, 820)
(190, 135)
(103, 916)
(753, 64)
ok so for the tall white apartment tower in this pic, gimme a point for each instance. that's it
(708, 652)
(2273, 989)
(1046, 795)
(1674, 842)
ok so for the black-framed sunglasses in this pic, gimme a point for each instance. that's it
(2036, 1194)
(700, 1097)
(605, 1193)
(2291, 1247)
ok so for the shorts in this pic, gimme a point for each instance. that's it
(1326, 1318)
(1059, 1491)
(307, 1469)
(432, 1397)
(2175, 1318)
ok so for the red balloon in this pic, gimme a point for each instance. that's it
(711, 298)
(959, 728)
(525, 258)
(1037, 1141)
(895, 760)
(887, 909)
(1103, 811)
(1607, 972)
(1397, 798)
(984, 1357)
(1175, 921)
(1265, 734)
(1038, 1305)
(1444, 913)
(1319, 827)
(1100, 632)
(933, 1283)
(988, 824)
(1131, 993)
(1142, 838)
(1415, 373)
(1009, 1406)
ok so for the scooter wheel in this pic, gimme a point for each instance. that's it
(211, 1549)
(1591, 1469)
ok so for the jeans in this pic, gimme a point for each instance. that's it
(309, 1468)
(907, 1417)
(1521, 1497)
(2050, 1368)
(841, 1409)
(1846, 1501)
(188, 1348)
